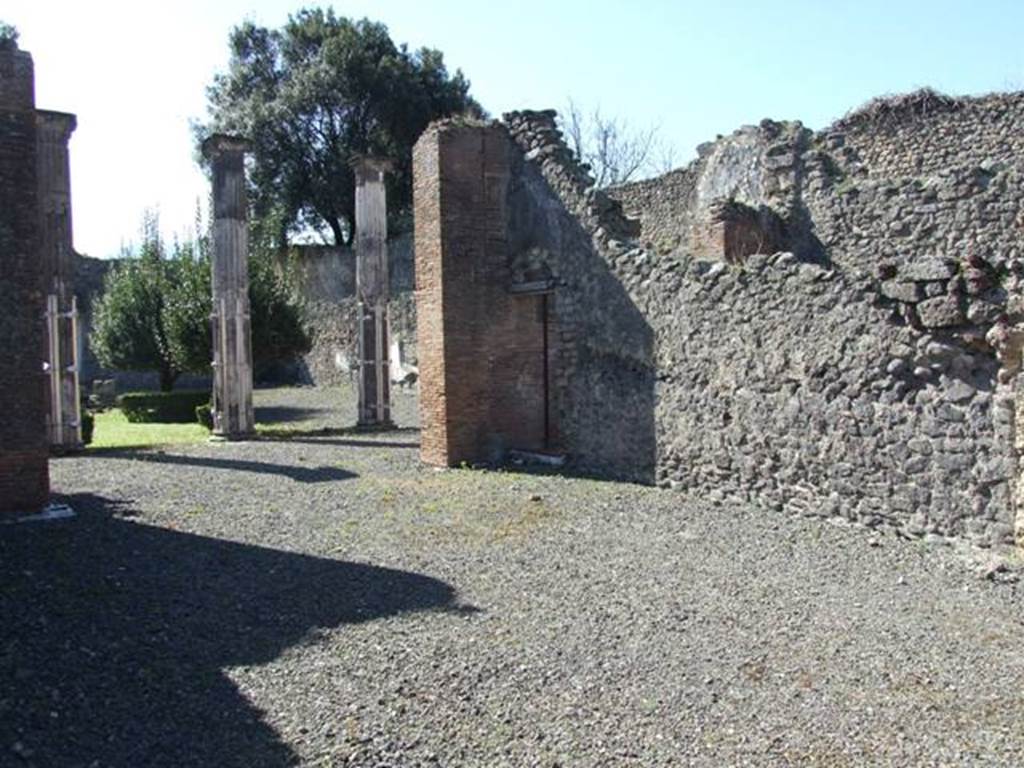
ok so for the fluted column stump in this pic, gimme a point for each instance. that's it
(233, 417)
(372, 291)
(64, 416)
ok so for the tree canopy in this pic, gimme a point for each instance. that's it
(314, 95)
(8, 35)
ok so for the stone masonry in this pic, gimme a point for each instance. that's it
(24, 473)
(372, 292)
(868, 371)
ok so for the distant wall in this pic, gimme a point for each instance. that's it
(325, 279)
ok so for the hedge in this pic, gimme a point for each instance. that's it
(176, 407)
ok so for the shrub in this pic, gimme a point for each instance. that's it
(176, 407)
(204, 415)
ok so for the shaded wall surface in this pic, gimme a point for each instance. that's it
(828, 323)
(24, 475)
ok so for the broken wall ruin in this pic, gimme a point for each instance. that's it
(867, 373)
(24, 473)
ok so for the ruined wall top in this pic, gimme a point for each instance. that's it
(537, 134)
(797, 173)
(923, 132)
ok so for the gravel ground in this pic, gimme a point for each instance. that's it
(326, 601)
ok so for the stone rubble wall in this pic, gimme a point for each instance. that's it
(965, 210)
(792, 384)
(872, 374)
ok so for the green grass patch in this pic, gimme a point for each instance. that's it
(113, 430)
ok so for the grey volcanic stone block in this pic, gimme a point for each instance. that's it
(981, 312)
(909, 293)
(940, 312)
(929, 268)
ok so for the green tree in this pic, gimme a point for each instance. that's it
(154, 314)
(128, 329)
(276, 320)
(278, 331)
(188, 307)
(315, 94)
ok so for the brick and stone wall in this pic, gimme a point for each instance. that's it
(24, 475)
(870, 371)
(526, 338)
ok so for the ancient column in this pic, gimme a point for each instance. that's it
(372, 293)
(24, 473)
(53, 130)
(232, 344)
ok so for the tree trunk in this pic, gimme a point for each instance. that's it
(339, 237)
(167, 378)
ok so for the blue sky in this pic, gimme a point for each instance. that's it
(135, 72)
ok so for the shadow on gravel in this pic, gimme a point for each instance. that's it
(296, 473)
(351, 437)
(113, 636)
(282, 414)
(353, 442)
